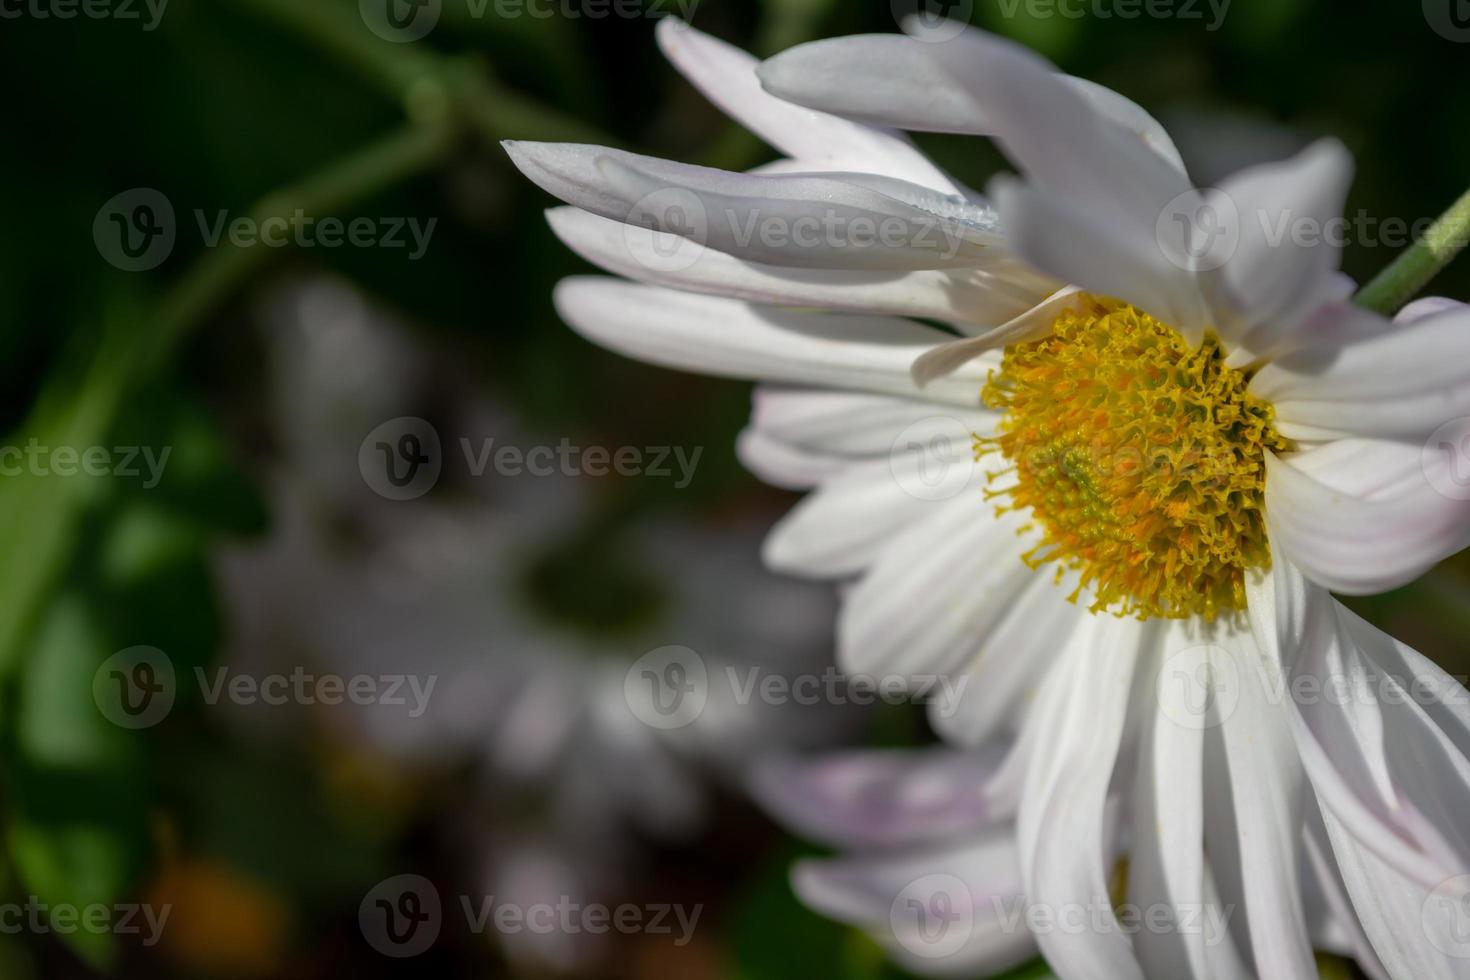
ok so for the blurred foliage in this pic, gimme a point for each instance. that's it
(228, 101)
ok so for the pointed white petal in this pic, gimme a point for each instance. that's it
(727, 77)
(1033, 324)
(783, 465)
(731, 339)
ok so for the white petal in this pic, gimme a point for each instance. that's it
(972, 296)
(727, 77)
(879, 798)
(1384, 734)
(783, 465)
(1166, 860)
(851, 423)
(1066, 850)
(1281, 259)
(1361, 516)
(1103, 255)
(1426, 306)
(731, 339)
(1417, 932)
(933, 592)
(1254, 798)
(1397, 382)
(999, 685)
(817, 220)
(892, 80)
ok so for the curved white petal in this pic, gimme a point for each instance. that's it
(879, 798)
(1282, 256)
(893, 80)
(731, 339)
(809, 220)
(783, 465)
(1254, 798)
(1384, 735)
(1033, 324)
(933, 592)
(852, 423)
(1102, 255)
(971, 296)
(997, 687)
(1397, 382)
(727, 77)
(1066, 849)
(1362, 516)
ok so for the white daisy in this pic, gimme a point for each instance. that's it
(1207, 438)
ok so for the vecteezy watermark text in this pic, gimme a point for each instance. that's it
(404, 21)
(38, 459)
(404, 915)
(63, 919)
(148, 12)
(1215, 10)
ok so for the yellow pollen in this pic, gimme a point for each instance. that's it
(1141, 458)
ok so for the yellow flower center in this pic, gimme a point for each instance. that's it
(1142, 459)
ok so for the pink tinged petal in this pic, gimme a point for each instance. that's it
(1166, 860)
(730, 339)
(998, 687)
(815, 220)
(1281, 259)
(892, 80)
(970, 296)
(1397, 382)
(783, 465)
(879, 798)
(1099, 253)
(984, 932)
(727, 77)
(1384, 735)
(1067, 849)
(1426, 306)
(933, 592)
(1362, 516)
(1033, 324)
(1254, 798)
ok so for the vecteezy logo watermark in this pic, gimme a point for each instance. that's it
(403, 458)
(1450, 19)
(933, 458)
(37, 459)
(933, 916)
(137, 230)
(667, 688)
(137, 688)
(41, 918)
(1120, 9)
(1198, 687)
(148, 12)
(403, 917)
(1198, 230)
(1446, 917)
(1445, 459)
(403, 21)
(933, 20)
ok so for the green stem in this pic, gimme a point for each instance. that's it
(1412, 270)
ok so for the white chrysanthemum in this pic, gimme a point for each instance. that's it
(1197, 430)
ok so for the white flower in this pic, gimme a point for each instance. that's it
(1197, 429)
